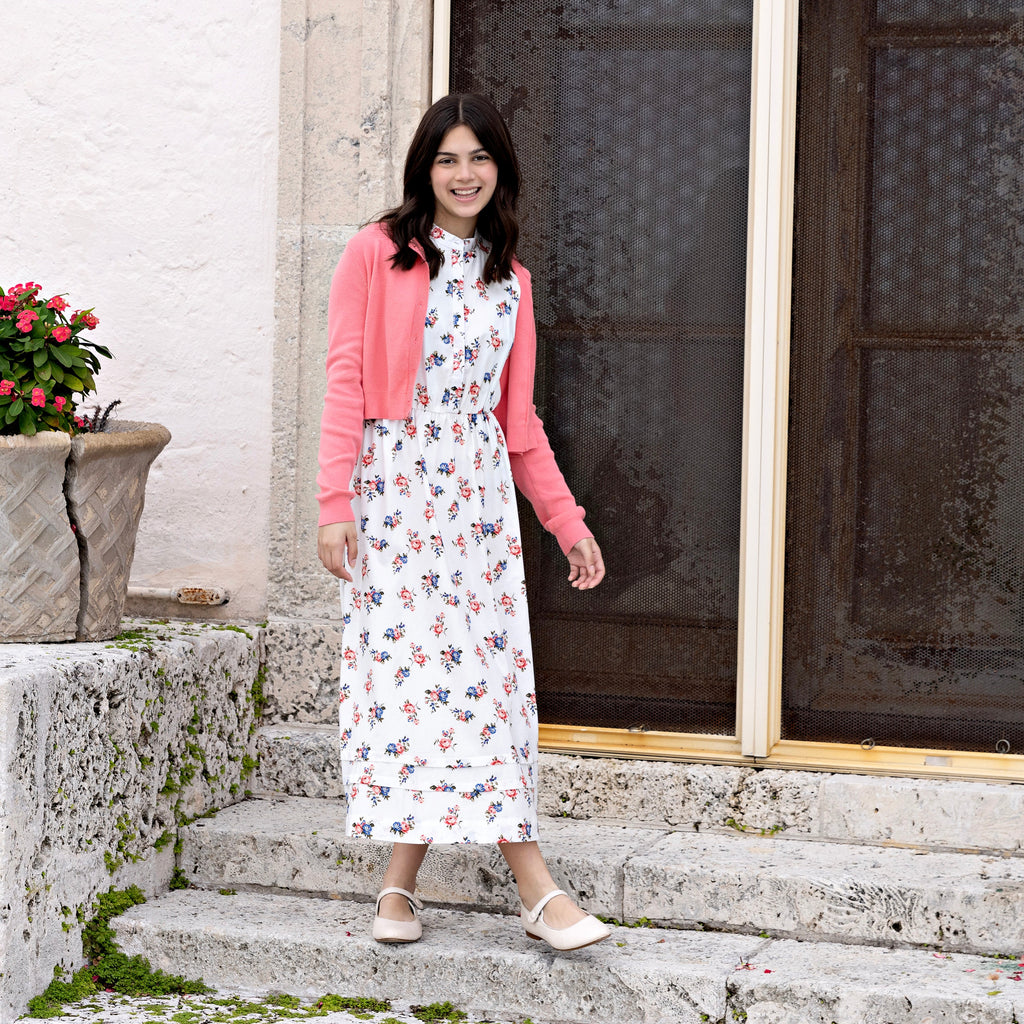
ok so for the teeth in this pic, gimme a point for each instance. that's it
(465, 191)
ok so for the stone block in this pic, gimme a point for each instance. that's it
(299, 760)
(303, 664)
(301, 845)
(481, 962)
(647, 792)
(823, 983)
(104, 748)
(927, 812)
(830, 891)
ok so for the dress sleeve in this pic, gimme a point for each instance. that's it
(341, 425)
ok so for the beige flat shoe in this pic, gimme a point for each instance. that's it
(386, 930)
(576, 936)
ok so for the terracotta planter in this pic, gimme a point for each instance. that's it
(97, 482)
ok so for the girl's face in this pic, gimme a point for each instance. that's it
(464, 177)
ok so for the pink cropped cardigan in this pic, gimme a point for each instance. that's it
(375, 320)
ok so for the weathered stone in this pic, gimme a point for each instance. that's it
(299, 760)
(929, 812)
(779, 801)
(481, 962)
(651, 792)
(301, 845)
(829, 891)
(104, 747)
(303, 663)
(303, 760)
(823, 983)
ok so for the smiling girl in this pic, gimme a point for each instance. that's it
(427, 422)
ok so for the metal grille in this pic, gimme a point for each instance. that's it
(632, 125)
(904, 618)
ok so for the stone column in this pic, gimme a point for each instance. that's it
(355, 80)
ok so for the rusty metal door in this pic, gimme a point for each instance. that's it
(904, 600)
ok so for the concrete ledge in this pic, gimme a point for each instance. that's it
(727, 881)
(301, 845)
(104, 748)
(302, 759)
(484, 965)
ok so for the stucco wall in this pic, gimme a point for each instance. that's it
(139, 177)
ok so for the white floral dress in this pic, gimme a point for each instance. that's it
(437, 705)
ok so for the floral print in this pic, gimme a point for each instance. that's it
(438, 710)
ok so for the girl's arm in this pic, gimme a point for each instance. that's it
(341, 426)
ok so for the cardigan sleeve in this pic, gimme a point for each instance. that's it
(537, 475)
(534, 468)
(341, 425)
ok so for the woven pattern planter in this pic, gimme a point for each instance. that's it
(106, 491)
(39, 568)
(52, 585)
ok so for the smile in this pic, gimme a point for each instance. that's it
(465, 193)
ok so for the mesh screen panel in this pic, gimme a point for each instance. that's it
(631, 122)
(904, 614)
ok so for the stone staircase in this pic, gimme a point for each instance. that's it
(739, 895)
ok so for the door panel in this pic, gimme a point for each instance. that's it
(904, 606)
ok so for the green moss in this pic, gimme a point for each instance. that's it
(179, 880)
(106, 966)
(258, 692)
(438, 1012)
(165, 837)
(58, 992)
(333, 1003)
(249, 765)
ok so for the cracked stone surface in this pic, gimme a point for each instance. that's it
(104, 747)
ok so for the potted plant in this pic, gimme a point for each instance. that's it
(72, 487)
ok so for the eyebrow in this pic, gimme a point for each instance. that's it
(473, 152)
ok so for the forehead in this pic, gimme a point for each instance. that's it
(459, 139)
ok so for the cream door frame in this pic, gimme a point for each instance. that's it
(766, 376)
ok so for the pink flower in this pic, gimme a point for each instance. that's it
(8, 302)
(6, 387)
(61, 333)
(38, 397)
(79, 422)
(25, 318)
(57, 303)
(88, 319)
(59, 402)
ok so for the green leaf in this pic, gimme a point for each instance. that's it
(44, 373)
(40, 357)
(57, 373)
(17, 405)
(65, 353)
(27, 422)
(88, 384)
(72, 382)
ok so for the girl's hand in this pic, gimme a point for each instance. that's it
(587, 566)
(333, 542)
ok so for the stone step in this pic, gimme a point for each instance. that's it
(255, 944)
(720, 880)
(302, 759)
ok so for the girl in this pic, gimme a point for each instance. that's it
(427, 422)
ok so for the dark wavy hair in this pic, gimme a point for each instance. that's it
(413, 219)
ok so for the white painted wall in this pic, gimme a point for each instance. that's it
(138, 176)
